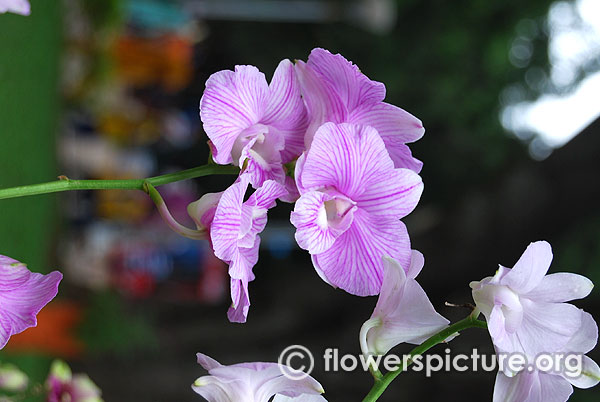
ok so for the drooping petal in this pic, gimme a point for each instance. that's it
(286, 111)
(405, 312)
(240, 301)
(225, 228)
(322, 102)
(561, 287)
(346, 157)
(402, 157)
(292, 193)
(314, 232)
(23, 299)
(354, 262)
(530, 269)
(352, 86)
(232, 102)
(552, 388)
(590, 374)
(265, 196)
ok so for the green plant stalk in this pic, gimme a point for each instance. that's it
(66, 184)
(381, 384)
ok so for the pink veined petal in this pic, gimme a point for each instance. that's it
(394, 124)
(528, 272)
(561, 287)
(402, 158)
(240, 266)
(322, 102)
(240, 301)
(266, 195)
(354, 262)
(20, 305)
(299, 173)
(393, 195)
(547, 326)
(15, 6)
(13, 274)
(417, 262)
(292, 194)
(346, 157)
(232, 102)
(225, 228)
(314, 232)
(352, 86)
(286, 111)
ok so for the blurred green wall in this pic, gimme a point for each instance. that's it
(29, 106)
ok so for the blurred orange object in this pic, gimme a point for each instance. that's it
(164, 61)
(54, 334)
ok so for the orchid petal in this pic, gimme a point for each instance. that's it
(561, 287)
(417, 262)
(301, 398)
(352, 86)
(232, 102)
(322, 102)
(15, 6)
(513, 389)
(586, 337)
(347, 157)
(203, 211)
(226, 224)
(354, 262)
(285, 110)
(406, 313)
(590, 374)
(530, 269)
(29, 292)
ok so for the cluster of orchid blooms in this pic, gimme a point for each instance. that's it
(321, 136)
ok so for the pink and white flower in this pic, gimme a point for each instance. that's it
(525, 308)
(352, 199)
(403, 312)
(253, 124)
(252, 382)
(234, 226)
(62, 385)
(335, 90)
(22, 295)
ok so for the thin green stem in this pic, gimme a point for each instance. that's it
(380, 385)
(66, 184)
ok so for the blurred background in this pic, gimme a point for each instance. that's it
(507, 91)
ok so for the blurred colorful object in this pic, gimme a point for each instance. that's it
(63, 386)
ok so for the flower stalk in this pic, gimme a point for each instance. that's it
(381, 384)
(66, 184)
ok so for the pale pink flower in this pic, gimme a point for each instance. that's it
(403, 312)
(251, 382)
(525, 308)
(253, 124)
(62, 385)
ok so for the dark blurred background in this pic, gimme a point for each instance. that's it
(507, 91)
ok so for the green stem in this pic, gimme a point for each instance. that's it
(66, 184)
(380, 385)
